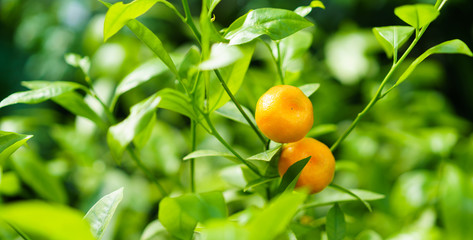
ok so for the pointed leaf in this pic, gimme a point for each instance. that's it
(448, 47)
(47, 91)
(305, 10)
(210, 153)
(221, 55)
(9, 143)
(393, 37)
(276, 23)
(47, 221)
(258, 182)
(291, 176)
(309, 89)
(101, 213)
(335, 225)
(266, 155)
(230, 111)
(417, 15)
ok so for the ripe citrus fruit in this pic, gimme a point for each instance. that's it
(284, 114)
(318, 173)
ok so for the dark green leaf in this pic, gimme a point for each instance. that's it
(47, 91)
(180, 215)
(101, 213)
(309, 89)
(417, 15)
(393, 37)
(53, 222)
(330, 196)
(448, 47)
(121, 134)
(275, 217)
(276, 23)
(335, 225)
(291, 176)
(33, 172)
(9, 143)
(230, 111)
(221, 55)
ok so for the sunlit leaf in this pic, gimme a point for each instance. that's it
(76, 60)
(342, 189)
(210, 153)
(335, 225)
(35, 174)
(448, 47)
(221, 55)
(9, 143)
(230, 111)
(121, 134)
(275, 217)
(40, 94)
(417, 15)
(101, 213)
(224, 229)
(305, 10)
(48, 221)
(266, 155)
(180, 215)
(393, 37)
(155, 231)
(330, 196)
(292, 174)
(309, 89)
(273, 22)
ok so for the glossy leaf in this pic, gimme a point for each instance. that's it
(180, 215)
(330, 196)
(273, 22)
(448, 47)
(119, 14)
(101, 213)
(305, 10)
(233, 75)
(9, 143)
(275, 217)
(266, 155)
(121, 134)
(210, 153)
(292, 174)
(309, 89)
(335, 225)
(393, 37)
(48, 221)
(221, 55)
(418, 15)
(35, 174)
(40, 94)
(230, 111)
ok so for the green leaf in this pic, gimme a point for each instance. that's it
(140, 75)
(266, 155)
(275, 217)
(221, 55)
(9, 143)
(76, 60)
(35, 174)
(393, 37)
(291, 176)
(368, 235)
(48, 221)
(119, 14)
(210, 153)
(101, 213)
(188, 68)
(230, 111)
(309, 89)
(273, 22)
(322, 129)
(224, 229)
(418, 15)
(212, 4)
(330, 196)
(71, 101)
(155, 231)
(180, 215)
(153, 43)
(47, 91)
(121, 134)
(448, 47)
(335, 225)
(233, 75)
(342, 189)
(258, 182)
(305, 10)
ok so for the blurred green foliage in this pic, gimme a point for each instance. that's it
(415, 146)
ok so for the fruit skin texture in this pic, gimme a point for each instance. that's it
(284, 114)
(319, 171)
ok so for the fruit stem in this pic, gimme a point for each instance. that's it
(379, 95)
(240, 109)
